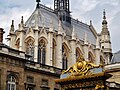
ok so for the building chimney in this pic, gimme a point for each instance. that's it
(1, 35)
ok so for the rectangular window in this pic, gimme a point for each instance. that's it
(44, 82)
(44, 85)
(30, 79)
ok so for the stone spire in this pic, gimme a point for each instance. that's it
(105, 40)
(90, 22)
(104, 24)
(12, 28)
(73, 34)
(21, 24)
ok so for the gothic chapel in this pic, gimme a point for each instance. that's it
(54, 38)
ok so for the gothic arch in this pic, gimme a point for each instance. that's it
(91, 57)
(78, 53)
(65, 55)
(29, 45)
(65, 42)
(12, 81)
(42, 44)
(90, 48)
(80, 47)
(43, 38)
(67, 49)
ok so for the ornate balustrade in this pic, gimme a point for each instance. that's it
(43, 67)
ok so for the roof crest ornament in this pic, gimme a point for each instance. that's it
(38, 3)
(104, 14)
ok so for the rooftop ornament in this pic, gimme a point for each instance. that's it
(38, 3)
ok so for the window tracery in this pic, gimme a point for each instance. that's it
(78, 53)
(64, 57)
(42, 52)
(30, 48)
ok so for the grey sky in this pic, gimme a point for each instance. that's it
(84, 10)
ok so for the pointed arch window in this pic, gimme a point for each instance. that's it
(90, 57)
(30, 49)
(42, 52)
(64, 58)
(11, 84)
(78, 53)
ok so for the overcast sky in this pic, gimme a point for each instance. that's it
(84, 10)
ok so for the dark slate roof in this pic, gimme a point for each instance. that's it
(116, 57)
(45, 15)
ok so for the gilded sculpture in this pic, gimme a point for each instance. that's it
(81, 67)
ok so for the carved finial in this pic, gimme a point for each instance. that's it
(104, 14)
(12, 23)
(21, 26)
(12, 27)
(22, 21)
(38, 3)
(90, 22)
(104, 17)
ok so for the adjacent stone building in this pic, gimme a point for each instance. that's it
(114, 69)
(48, 42)
(17, 72)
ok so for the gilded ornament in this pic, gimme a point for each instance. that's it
(81, 67)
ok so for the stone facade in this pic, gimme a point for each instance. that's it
(57, 43)
(14, 63)
(47, 43)
(114, 70)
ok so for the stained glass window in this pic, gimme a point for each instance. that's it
(42, 52)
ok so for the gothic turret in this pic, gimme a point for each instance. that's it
(11, 36)
(21, 25)
(12, 28)
(105, 39)
(21, 31)
(61, 8)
